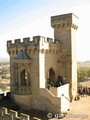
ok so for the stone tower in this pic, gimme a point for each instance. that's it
(65, 28)
(42, 70)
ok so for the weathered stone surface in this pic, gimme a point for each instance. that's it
(48, 60)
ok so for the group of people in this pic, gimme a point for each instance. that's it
(84, 91)
(51, 83)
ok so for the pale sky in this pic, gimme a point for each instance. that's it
(28, 18)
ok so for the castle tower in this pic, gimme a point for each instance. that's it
(38, 67)
(65, 28)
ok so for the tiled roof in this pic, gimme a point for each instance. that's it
(22, 55)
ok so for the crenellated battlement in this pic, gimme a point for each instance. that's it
(12, 115)
(38, 44)
(26, 41)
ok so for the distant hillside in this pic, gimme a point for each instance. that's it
(83, 64)
(4, 59)
(88, 61)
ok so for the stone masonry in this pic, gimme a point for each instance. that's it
(34, 64)
(12, 115)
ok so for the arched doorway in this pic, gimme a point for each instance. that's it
(51, 75)
(51, 78)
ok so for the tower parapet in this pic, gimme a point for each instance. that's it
(12, 115)
(26, 41)
(65, 27)
(37, 44)
(64, 21)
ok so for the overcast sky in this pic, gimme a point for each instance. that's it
(28, 18)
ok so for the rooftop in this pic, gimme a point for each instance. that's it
(22, 55)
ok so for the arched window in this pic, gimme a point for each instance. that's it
(16, 51)
(13, 52)
(23, 78)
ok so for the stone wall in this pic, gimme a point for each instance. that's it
(12, 115)
(47, 59)
(53, 100)
(43, 53)
(65, 28)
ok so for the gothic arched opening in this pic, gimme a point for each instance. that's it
(51, 75)
(23, 78)
(51, 78)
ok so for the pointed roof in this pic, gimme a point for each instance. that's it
(22, 55)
